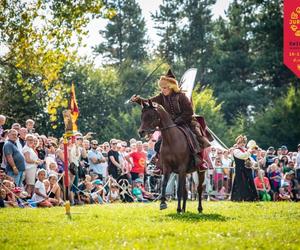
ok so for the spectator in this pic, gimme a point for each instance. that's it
(114, 166)
(40, 148)
(297, 167)
(8, 194)
(22, 137)
(15, 162)
(137, 190)
(124, 163)
(2, 138)
(284, 192)
(279, 153)
(95, 158)
(113, 193)
(275, 178)
(54, 191)
(218, 173)
(98, 192)
(284, 163)
(269, 159)
(262, 186)
(151, 152)
(83, 161)
(284, 150)
(2, 122)
(30, 126)
(226, 164)
(86, 144)
(40, 195)
(137, 159)
(31, 163)
(243, 188)
(74, 158)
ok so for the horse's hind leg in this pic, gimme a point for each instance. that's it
(163, 204)
(180, 191)
(201, 176)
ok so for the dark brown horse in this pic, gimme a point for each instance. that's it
(175, 154)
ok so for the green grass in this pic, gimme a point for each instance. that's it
(223, 225)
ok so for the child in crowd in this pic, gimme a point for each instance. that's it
(275, 177)
(137, 190)
(40, 195)
(284, 192)
(98, 192)
(8, 195)
(53, 190)
(85, 188)
(114, 193)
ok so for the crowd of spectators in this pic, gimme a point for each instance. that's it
(276, 172)
(32, 170)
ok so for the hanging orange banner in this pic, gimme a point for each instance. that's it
(291, 36)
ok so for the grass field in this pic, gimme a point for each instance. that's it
(223, 225)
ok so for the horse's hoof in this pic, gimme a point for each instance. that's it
(163, 206)
(200, 211)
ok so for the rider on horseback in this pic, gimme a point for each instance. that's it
(178, 105)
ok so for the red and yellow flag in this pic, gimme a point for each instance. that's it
(74, 108)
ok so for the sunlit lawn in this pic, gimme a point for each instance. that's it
(223, 225)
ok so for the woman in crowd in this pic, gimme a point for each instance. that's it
(243, 188)
(31, 163)
(40, 149)
(262, 186)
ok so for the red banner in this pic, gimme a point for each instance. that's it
(291, 35)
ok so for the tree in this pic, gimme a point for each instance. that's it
(278, 124)
(167, 21)
(37, 35)
(195, 37)
(125, 34)
(206, 105)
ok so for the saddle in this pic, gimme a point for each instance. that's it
(191, 139)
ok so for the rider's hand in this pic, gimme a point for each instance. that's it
(135, 98)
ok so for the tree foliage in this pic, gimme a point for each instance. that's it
(38, 36)
(279, 123)
(125, 34)
(206, 105)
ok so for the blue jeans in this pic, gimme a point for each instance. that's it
(17, 178)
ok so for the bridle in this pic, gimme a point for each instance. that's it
(159, 129)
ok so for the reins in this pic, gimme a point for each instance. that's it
(160, 129)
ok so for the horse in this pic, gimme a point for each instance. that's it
(175, 154)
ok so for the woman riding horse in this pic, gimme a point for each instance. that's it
(178, 105)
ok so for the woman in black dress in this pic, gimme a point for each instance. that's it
(243, 188)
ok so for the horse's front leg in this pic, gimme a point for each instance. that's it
(180, 190)
(201, 176)
(184, 196)
(163, 204)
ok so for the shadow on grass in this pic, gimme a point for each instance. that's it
(188, 216)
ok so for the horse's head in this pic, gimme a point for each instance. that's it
(150, 119)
